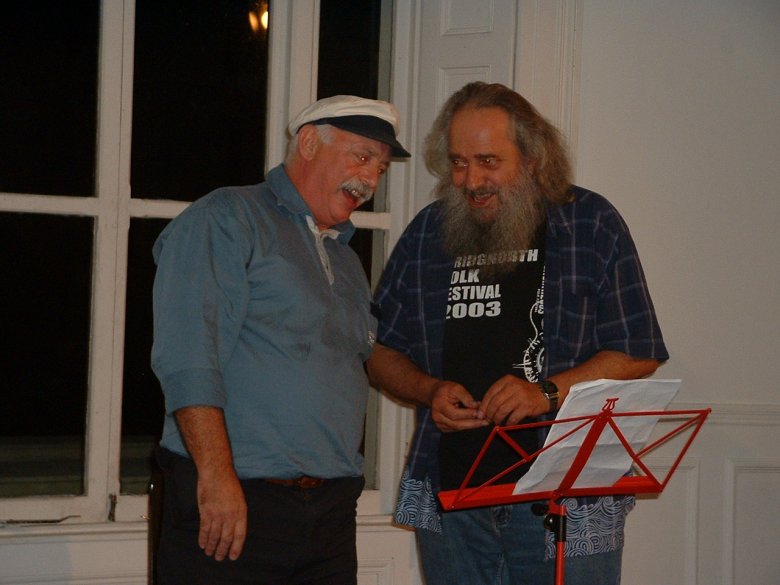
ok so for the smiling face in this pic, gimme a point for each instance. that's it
(483, 158)
(342, 171)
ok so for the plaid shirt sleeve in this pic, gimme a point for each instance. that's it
(388, 297)
(596, 296)
(412, 294)
(411, 321)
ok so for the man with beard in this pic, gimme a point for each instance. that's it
(262, 326)
(510, 288)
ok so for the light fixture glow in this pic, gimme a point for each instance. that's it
(258, 17)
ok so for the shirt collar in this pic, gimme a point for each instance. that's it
(287, 196)
(558, 218)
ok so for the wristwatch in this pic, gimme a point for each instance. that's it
(550, 391)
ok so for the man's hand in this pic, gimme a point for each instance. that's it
(510, 400)
(454, 409)
(221, 501)
(223, 512)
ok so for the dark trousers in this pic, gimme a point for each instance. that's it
(295, 536)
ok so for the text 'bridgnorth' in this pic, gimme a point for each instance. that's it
(497, 258)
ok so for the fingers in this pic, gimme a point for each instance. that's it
(239, 537)
(454, 409)
(222, 539)
(223, 524)
(510, 400)
(507, 402)
(227, 543)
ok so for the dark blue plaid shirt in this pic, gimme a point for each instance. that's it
(595, 299)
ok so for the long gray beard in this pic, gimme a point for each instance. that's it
(514, 228)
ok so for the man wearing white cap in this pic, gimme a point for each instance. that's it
(262, 326)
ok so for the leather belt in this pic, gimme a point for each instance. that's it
(303, 483)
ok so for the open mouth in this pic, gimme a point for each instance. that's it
(359, 193)
(480, 197)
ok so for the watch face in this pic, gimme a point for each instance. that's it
(549, 389)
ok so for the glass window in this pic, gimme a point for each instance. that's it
(46, 271)
(142, 405)
(199, 100)
(199, 97)
(48, 97)
(349, 67)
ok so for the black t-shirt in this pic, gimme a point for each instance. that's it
(492, 329)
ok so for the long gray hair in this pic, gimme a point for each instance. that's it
(538, 140)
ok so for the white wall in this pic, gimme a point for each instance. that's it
(679, 126)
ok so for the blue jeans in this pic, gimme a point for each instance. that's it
(503, 545)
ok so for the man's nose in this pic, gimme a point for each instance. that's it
(473, 177)
(371, 174)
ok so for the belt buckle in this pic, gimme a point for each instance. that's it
(305, 482)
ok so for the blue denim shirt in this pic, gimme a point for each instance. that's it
(248, 320)
(595, 298)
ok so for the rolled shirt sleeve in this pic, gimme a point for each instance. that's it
(200, 296)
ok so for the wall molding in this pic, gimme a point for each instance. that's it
(689, 473)
(130, 578)
(547, 67)
(378, 571)
(737, 469)
(735, 414)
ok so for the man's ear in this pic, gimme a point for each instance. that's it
(308, 141)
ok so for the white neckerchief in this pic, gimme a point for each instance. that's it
(319, 239)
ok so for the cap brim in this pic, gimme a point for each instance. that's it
(369, 127)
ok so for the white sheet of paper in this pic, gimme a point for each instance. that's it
(609, 460)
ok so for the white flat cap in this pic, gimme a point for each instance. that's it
(373, 119)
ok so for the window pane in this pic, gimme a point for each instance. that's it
(48, 97)
(348, 64)
(199, 97)
(46, 274)
(362, 242)
(142, 404)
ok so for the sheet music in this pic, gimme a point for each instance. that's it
(609, 460)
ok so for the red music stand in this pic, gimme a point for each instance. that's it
(644, 481)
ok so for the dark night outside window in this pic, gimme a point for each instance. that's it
(48, 97)
(199, 106)
(46, 271)
(48, 124)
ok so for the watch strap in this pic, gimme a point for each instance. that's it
(550, 391)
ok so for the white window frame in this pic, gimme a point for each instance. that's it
(293, 52)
